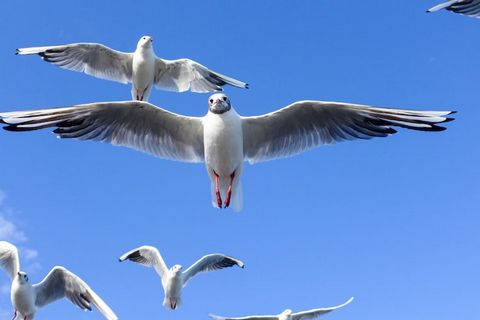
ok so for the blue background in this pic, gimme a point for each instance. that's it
(393, 222)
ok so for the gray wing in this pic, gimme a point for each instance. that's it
(215, 317)
(92, 58)
(60, 283)
(307, 124)
(185, 74)
(135, 124)
(211, 262)
(9, 258)
(148, 256)
(314, 313)
(469, 8)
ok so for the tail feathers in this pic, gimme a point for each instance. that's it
(172, 303)
(236, 202)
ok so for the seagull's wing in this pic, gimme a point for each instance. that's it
(147, 256)
(60, 283)
(9, 258)
(215, 317)
(185, 74)
(210, 262)
(92, 58)
(469, 8)
(135, 124)
(307, 124)
(314, 313)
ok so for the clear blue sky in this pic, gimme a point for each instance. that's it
(393, 222)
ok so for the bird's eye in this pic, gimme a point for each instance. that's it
(211, 100)
(224, 98)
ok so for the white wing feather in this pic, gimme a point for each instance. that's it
(91, 58)
(307, 124)
(60, 283)
(314, 313)
(211, 262)
(135, 124)
(148, 256)
(470, 8)
(9, 260)
(185, 74)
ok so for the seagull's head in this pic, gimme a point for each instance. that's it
(145, 42)
(287, 312)
(22, 277)
(219, 103)
(176, 269)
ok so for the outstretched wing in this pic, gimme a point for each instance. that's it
(307, 124)
(215, 317)
(211, 262)
(469, 8)
(60, 283)
(185, 74)
(135, 124)
(9, 258)
(314, 313)
(92, 58)
(148, 256)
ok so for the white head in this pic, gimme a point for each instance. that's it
(145, 42)
(287, 312)
(176, 269)
(219, 103)
(22, 277)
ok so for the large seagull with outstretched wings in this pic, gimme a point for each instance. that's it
(222, 138)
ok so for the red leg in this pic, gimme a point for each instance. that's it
(217, 190)
(229, 190)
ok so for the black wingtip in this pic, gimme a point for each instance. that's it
(247, 86)
(17, 51)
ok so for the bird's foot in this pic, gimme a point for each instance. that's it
(229, 196)
(219, 199)
(14, 315)
(229, 190)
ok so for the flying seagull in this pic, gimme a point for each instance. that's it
(142, 67)
(470, 8)
(173, 279)
(59, 283)
(287, 314)
(222, 138)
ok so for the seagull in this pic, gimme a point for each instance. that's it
(222, 138)
(470, 8)
(287, 314)
(59, 283)
(142, 67)
(173, 279)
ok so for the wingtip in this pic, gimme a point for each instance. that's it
(17, 51)
(247, 86)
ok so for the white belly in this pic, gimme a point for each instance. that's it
(223, 140)
(23, 299)
(143, 71)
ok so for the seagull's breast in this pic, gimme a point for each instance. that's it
(23, 299)
(173, 287)
(143, 69)
(223, 141)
